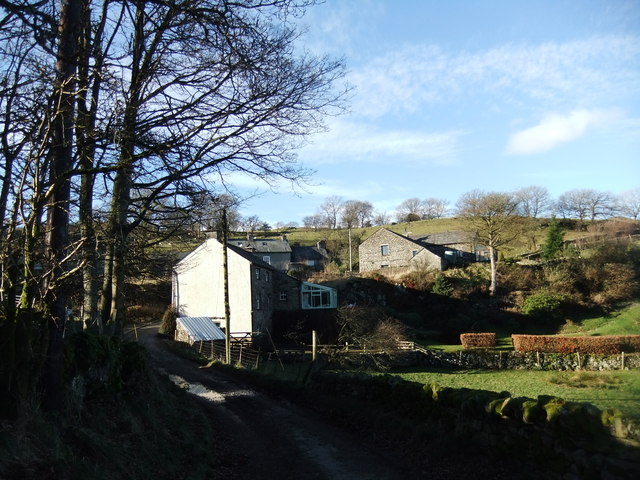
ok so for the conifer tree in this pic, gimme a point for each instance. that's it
(554, 241)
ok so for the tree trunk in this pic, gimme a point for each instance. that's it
(493, 256)
(57, 235)
(86, 144)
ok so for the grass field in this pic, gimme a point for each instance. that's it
(611, 389)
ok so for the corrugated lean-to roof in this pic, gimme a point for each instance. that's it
(201, 328)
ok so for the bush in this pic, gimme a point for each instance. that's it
(421, 279)
(442, 286)
(168, 325)
(542, 304)
(478, 340)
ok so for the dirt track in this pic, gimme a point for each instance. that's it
(260, 437)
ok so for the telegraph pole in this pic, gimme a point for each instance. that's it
(227, 309)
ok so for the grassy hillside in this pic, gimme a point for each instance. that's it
(620, 322)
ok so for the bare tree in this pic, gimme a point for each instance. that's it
(356, 213)
(410, 210)
(434, 208)
(251, 223)
(629, 203)
(586, 204)
(493, 217)
(331, 209)
(313, 221)
(533, 201)
(380, 218)
(142, 105)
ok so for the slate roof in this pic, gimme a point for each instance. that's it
(446, 238)
(300, 253)
(268, 245)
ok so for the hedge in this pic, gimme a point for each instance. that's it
(607, 345)
(475, 340)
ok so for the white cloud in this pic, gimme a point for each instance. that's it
(557, 129)
(371, 143)
(554, 74)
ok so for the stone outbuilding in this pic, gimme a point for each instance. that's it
(388, 249)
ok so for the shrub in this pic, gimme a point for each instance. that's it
(542, 304)
(442, 286)
(421, 279)
(168, 325)
(478, 340)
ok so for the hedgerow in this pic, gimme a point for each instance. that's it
(607, 344)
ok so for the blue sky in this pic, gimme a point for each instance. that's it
(450, 96)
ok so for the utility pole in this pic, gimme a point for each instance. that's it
(227, 309)
(350, 262)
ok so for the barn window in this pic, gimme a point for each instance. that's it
(384, 250)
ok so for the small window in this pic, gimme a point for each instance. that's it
(257, 274)
(414, 253)
(283, 295)
(267, 276)
(384, 265)
(258, 302)
(267, 259)
(384, 250)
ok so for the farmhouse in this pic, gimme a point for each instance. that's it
(257, 290)
(387, 249)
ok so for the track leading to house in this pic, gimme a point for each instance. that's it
(260, 437)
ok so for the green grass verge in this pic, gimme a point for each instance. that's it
(610, 389)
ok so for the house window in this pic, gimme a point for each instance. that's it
(384, 265)
(318, 296)
(258, 302)
(267, 276)
(257, 274)
(283, 295)
(267, 259)
(384, 250)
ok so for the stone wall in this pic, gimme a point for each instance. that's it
(555, 439)
(525, 361)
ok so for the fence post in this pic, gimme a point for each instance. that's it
(622, 362)
(314, 345)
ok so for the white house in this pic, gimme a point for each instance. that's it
(256, 289)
